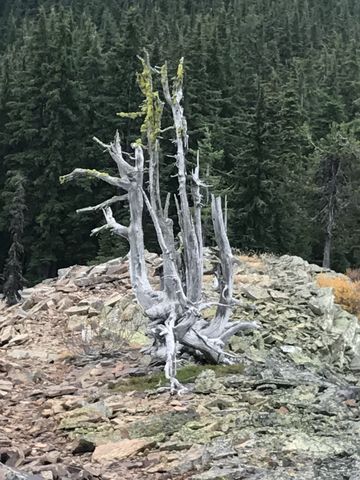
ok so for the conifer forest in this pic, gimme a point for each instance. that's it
(272, 101)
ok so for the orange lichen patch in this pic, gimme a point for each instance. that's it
(347, 292)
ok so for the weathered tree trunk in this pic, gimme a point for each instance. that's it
(327, 251)
(175, 321)
(330, 224)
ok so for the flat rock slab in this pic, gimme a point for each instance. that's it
(78, 310)
(121, 450)
(255, 293)
(6, 386)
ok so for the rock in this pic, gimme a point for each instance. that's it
(129, 313)
(207, 383)
(96, 304)
(141, 340)
(355, 364)
(28, 303)
(323, 303)
(27, 292)
(8, 473)
(118, 261)
(75, 271)
(98, 270)
(319, 447)
(60, 391)
(41, 306)
(278, 296)
(113, 300)
(19, 339)
(255, 293)
(120, 450)
(47, 475)
(83, 416)
(77, 323)
(19, 354)
(7, 334)
(65, 303)
(227, 473)
(81, 446)
(316, 268)
(5, 387)
(78, 310)
(118, 269)
(65, 286)
(64, 272)
(166, 423)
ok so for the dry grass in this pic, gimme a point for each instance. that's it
(353, 274)
(346, 291)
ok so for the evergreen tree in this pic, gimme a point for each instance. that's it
(337, 171)
(14, 197)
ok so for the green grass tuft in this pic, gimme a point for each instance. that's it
(186, 374)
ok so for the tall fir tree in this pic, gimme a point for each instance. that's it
(14, 197)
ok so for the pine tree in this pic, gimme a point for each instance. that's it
(14, 197)
(337, 169)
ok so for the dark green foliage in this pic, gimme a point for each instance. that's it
(337, 160)
(14, 196)
(265, 81)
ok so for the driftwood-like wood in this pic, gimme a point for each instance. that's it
(9, 473)
(175, 321)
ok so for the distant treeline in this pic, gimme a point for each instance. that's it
(272, 97)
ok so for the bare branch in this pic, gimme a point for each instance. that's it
(115, 151)
(196, 195)
(102, 205)
(115, 227)
(86, 173)
(96, 231)
(192, 258)
(167, 205)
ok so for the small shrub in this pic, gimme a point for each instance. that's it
(353, 274)
(346, 291)
(105, 334)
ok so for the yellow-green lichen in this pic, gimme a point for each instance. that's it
(152, 107)
(96, 172)
(131, 115)
(180, 70)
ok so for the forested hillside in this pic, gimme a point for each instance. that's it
(272, 98)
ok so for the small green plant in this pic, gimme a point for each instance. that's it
(186, 374)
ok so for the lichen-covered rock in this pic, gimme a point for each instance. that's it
(207, 382)
(84, 416)
(166, 424)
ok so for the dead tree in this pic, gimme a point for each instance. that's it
(175, 321)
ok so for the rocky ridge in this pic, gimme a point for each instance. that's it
(78, 405)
